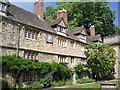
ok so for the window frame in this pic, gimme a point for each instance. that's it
(72, 60)
(61, 29)
(61, 59)
(72, 44)
(83, 37)
(30, 55)
(3, 7)
(49, 38)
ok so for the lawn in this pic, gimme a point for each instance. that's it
(95, 85)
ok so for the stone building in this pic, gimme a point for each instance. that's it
(31, 36)
(114, 41)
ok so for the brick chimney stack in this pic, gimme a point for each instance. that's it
(39, 8)
(63, 13)
(92, 30)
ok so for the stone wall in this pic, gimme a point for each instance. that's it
(9, 33)
(41, 45)
(117, 66)
(43, 57)
(112, 39)
(47, 52)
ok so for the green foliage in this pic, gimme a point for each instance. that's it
(61, 83)
(85, 80)
(19, 65)
(101, 59)
(82, 67)
(43, 83)
(98, 14)
(50, 12)
(79, 68)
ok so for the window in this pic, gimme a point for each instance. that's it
(0, 6)
(31, 34)
(61, 29)
(36, 36)
(62, 59)
(3, 7)
(72, 61)
(58, 28)
(83, 37)
(72, 44)
(49, 39)
(30, 55)
(30, 77)
(62, 43)
(26, 33)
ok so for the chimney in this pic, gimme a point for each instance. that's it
(63, 13)
(92, 30)
(39, 8)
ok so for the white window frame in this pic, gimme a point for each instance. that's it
(26, 33)
(72, 44)
(83, 37)
(49, 38)
(29, 34)
(3, 7)
(33, 35)
(30, 77)
(30, 55)
(36, 36)
(62, 59)
(61, 29)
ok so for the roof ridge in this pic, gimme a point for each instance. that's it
(24, 9)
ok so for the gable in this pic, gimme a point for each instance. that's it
(83, 32)
(62, 23)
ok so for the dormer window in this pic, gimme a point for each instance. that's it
(3, 7)
(83, 37)
(61, 29)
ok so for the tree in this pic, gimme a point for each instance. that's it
(101, 60)
(87, 14)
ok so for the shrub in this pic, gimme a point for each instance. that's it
(61, 83)
(20, 65)
(43, 83)
(85, 80)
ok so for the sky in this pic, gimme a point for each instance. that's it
(30, 7)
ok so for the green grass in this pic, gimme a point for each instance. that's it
(95, 85)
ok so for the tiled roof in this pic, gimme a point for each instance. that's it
(96, 38)
(56, 21)
(79, 30)
(29, 18)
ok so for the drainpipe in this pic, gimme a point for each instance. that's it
(74, 77)
(18, 40)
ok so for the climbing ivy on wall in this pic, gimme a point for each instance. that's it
(19, 65)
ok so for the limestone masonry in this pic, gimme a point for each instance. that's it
(31, 36)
